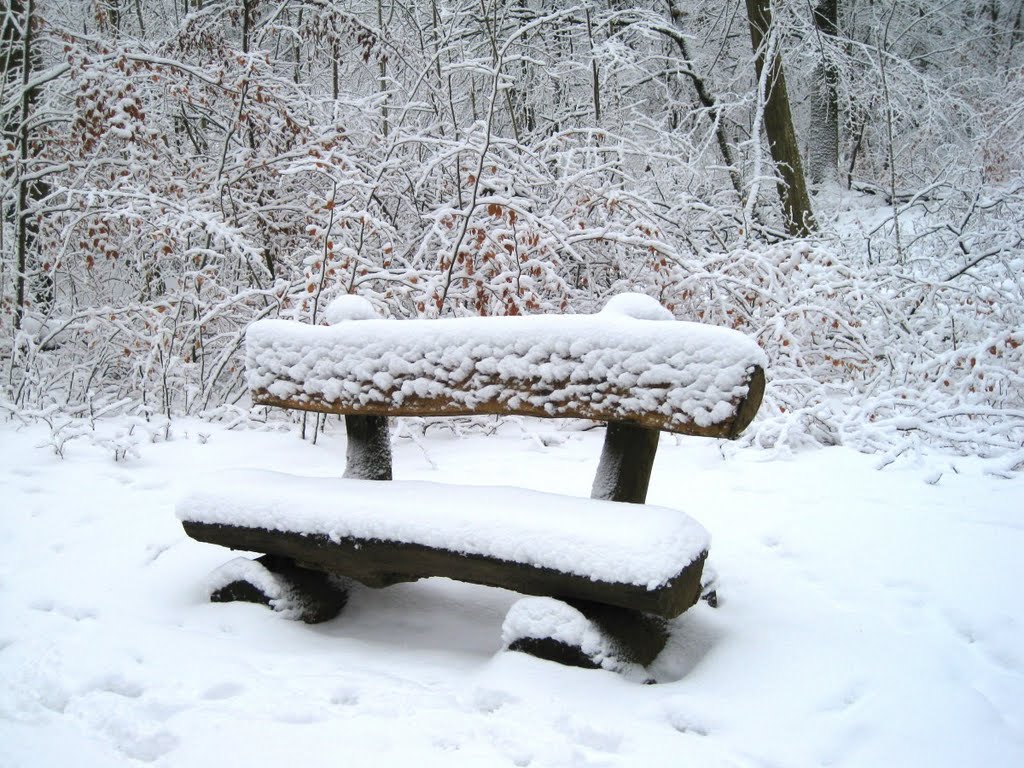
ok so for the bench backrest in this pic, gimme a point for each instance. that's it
(629, 364)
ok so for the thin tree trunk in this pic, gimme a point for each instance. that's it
(29, 192)
(890, 136)
(382, 66)
(113, 11)
(297, 52)
(707, 100)
(778, 124)
(492, 37)
(334, 72)
(246, 24)
(138, 17)
(594, 74)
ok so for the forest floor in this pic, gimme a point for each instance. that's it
(868, 616)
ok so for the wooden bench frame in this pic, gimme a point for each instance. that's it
(632, 616)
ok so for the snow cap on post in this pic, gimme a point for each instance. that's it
(368, 453)
(349, 307)
(636, 305)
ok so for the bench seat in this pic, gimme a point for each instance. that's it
(640, 557)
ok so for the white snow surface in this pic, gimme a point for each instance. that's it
(627, 358)
(600, 540)
(866, 618)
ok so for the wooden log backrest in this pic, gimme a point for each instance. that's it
(631, 365)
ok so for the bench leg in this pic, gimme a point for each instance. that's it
(277, 582)
(627, 457)
(368, 456)
(639, 637)
(584, 634)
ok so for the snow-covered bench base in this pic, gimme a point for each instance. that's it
(298, 593)
(582, 634)
(382, 533)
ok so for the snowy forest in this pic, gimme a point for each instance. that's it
(842, 180)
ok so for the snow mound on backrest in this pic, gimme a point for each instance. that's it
(636, 305)
(349, 307)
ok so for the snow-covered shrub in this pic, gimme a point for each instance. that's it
(179, 179)
(867, 353)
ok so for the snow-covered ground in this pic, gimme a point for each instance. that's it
(868, 617)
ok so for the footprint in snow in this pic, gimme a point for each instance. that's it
(591, 736)
(991, 640)
(118, 685)
(122, 723)
(487, 701)
(777, 547)
(154, 551)
(448, 744)
(345, 697)
(221, 691)
(684, 725)
(151, 485)
(298, 717)
(147, 748)
(911, 595)
(687, 716)
(844, 699)
(73, 612)
(688, 722)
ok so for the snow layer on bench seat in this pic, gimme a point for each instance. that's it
(631, 358)
(601, 540)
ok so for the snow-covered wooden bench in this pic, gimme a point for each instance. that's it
(607, 574)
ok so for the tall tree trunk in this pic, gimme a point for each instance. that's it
(18, 59)
(11, 51)
(247, 13)
(823, 155)
(778, 123)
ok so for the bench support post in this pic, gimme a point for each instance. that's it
(368, 456)
(308, 595)
(624, 471)
(626, 637)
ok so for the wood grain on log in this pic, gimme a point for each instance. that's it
(742, 412)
